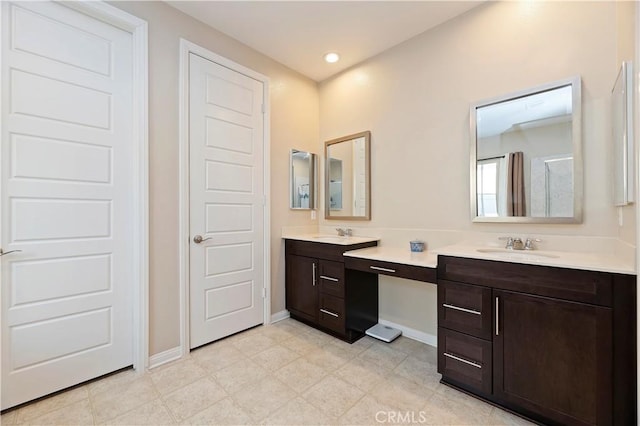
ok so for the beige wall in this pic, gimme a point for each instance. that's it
(294, 124)
(415, 100)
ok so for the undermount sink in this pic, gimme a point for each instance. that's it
(525, 254)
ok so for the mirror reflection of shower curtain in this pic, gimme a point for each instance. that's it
(515, 184)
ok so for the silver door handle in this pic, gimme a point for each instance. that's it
(198, 239)
(497, 316)
(457, 308)
(2, 253)
(462, 360)
(377, 268)
(324, 311)
(314, 273)
(324, 277)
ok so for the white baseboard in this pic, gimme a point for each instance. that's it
(279, 316)
(165, 357)
(412, 333)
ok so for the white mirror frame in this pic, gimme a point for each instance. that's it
(576, 132)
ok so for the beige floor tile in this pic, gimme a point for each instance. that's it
(440, 410)
(300, 344)
(8, 418)
(362, 374)
(277, 333)
(382, 355)
(418, 371)
(217, 355)
(299, 412)
(176, 374)
(474, 403)
(223, 412)
(503, 418)
(111, 404)
(193, 398)
(78, 413)
(275, 357)
(239, 375)
(253, 344)
(401, 393)
(333, 396)
(406, 345)
(300, 374)
(264, 397)
(52, 403)
(151, 413)
(329, 357)
(293, 324)
(356, 348)
(369, 411)
(114, 380)
(427, 354)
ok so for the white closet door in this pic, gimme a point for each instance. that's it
(66, 199)
(226, 201)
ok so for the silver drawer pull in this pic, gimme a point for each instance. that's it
(457, 308)
(462, 360)
(377, 268)
(324, 277)
(324, 311)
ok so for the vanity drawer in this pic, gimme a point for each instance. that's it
(399, 270)
(331, 278)
(562, 283)
(331, 313)
(465, 308)
(466, 360)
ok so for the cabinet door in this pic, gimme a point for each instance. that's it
(553, 358)
(301, 286)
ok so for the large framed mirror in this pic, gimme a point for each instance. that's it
(302, 180)
(347, 185)
(526, 155)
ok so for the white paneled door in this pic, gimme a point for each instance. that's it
(66, 199)
(226, 194)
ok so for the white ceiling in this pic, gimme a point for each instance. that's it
(299, 33)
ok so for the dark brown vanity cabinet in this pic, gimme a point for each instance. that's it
(321, 293)
(553, 344)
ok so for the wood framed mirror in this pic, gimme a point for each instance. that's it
(347, 184)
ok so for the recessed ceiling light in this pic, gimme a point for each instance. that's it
(332, 57)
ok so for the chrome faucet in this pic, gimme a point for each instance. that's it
(528, 244)
(342, 232)
(513, 243)
(517, 244)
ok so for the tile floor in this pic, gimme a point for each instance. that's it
(282, 374)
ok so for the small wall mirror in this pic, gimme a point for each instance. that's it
(302, 180)
(526, 156)
(347, 177)
(622, 121)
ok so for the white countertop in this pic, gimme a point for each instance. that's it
(426, 259)
(561, 259)
(330, 239)
(429, 259)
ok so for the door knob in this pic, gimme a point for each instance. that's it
(2, 253)
(198, 239)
